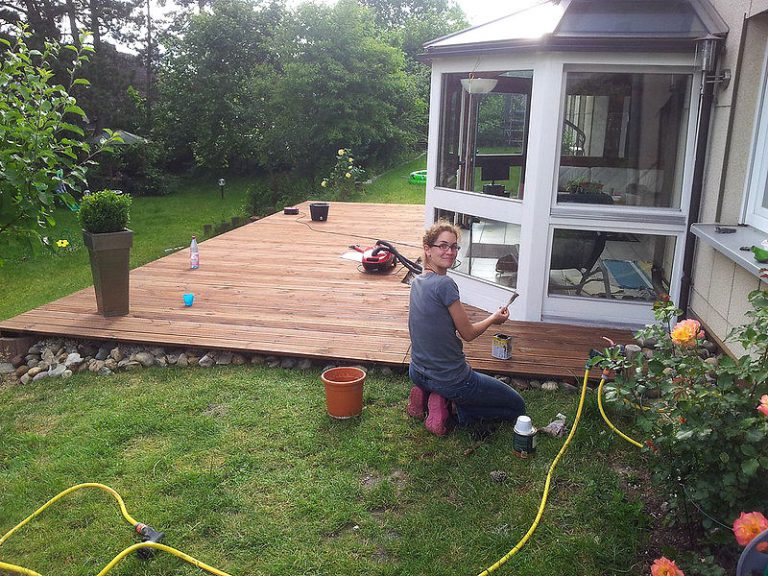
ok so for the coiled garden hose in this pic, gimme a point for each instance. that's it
(144, 549)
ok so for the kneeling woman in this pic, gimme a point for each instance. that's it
(438, 368)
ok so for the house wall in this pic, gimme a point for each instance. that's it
(720, 286)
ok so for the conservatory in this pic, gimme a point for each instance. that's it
(563, 141)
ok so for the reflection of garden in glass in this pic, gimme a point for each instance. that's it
(483, 136)
(598, 264)
(489, 248)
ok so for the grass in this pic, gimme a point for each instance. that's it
(160, 225)
(393, 187)
(242, 469)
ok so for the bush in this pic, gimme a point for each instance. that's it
(272, 194)
(138, 169)
(345, 176)
(707, 434)
(105, 211)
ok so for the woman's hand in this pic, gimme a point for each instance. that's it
(469, 330)
(500, 316)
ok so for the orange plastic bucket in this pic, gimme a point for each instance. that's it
(343, 391)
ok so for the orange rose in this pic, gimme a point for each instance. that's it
(686, 332)
(747, 526)
(665, 567)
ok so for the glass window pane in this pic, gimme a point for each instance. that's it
(616, 265)
(624, 139)
(656, 18)
(484, 132)
(765, 198)
(489, 249)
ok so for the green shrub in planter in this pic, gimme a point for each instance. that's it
(105, 211)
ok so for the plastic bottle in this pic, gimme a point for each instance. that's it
(194, 254)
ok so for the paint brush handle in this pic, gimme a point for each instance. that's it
(512, 298)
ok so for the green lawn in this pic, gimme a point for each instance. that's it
(160, 225)
(242, 469)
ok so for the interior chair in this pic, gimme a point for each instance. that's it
(571, 250)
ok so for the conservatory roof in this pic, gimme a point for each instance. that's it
(653, 25)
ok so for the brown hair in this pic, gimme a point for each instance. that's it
(431, 234)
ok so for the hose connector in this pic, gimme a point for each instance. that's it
(148, 534)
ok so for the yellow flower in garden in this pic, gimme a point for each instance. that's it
(324, 183)
(686, 332)
(665, 567)
(747, 526)
(62, 243)
(341, 152)
(347, 175)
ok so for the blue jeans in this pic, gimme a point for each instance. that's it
(481, 398)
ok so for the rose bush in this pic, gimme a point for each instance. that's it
(704, 419)
(345, 176)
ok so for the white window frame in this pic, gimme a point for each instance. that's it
(753, 212)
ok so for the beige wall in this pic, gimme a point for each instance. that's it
(720, 286)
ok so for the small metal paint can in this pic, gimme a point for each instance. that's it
(524, 440)
(501, 346)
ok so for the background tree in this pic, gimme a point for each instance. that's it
(40, 155)
(407, 25)
(214, 84)
(342, 87)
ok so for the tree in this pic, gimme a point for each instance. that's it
(407, 25)
(40, 153)
(214, 82)
(342, 87)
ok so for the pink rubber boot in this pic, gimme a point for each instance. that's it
(438, 414)
(417, 403)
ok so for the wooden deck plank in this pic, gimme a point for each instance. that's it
(280, 286)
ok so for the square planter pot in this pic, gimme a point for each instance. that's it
(110, 258)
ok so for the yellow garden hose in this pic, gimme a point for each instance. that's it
(117, 559)
(607, 421)
(499, 563)
(560, 454)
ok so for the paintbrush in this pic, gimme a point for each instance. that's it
(512, 298)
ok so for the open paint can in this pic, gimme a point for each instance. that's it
(501, 346)
(524, 440)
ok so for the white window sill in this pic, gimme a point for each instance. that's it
(730, 244)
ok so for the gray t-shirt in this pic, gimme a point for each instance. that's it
(436, 350)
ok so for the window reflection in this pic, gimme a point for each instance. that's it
(484, 132)
(623, 139)
(489, 248)
(616, 265)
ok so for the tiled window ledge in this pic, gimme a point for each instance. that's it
(729, 244)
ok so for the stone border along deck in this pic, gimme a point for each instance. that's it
(62, 357)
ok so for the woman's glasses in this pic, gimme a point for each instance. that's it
(444, 247)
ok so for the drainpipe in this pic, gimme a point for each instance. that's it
(708, 48)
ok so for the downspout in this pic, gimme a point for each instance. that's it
(707, 91)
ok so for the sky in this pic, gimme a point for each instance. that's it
(480, 11)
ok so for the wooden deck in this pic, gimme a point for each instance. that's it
(279, 286)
